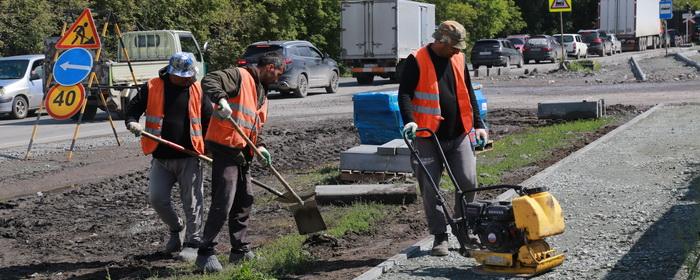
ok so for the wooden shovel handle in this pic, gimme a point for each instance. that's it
(259, 154)
(175, 146)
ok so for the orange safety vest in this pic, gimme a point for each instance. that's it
(244, 111)
(155, 113)
(426, 101)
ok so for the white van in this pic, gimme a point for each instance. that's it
(21, 84)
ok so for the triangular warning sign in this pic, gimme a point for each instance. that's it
(82, 34)
(560, 4)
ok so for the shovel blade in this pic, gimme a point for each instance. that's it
(308, 218)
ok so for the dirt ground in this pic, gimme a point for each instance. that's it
(101, 222)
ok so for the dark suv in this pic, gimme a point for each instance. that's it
(542, 47)
(495, 52)
(307, 67)
(597, 41)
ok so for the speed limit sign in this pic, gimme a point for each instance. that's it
(62, 102)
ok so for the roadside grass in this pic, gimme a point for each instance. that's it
(522, 149)
(583, 66)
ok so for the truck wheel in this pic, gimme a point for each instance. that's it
(365, 78)
(88, 115)
(333, 83)
(20, 107)
(302, 86)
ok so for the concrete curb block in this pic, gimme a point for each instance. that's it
(687, 61)
(375, 272)
(544, 173)
(637, 70)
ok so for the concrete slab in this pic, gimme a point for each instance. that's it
(394, 147)
(571, 110)
(383, 193)
(366, 158)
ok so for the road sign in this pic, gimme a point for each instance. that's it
(62, 102)
(689, 20)
(666, 9)
(72, 66)
(556, 6)
(82, 34)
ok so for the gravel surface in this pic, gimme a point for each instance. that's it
(629, 200)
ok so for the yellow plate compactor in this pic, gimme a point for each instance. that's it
(504, 237)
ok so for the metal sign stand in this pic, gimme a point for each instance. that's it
(561, 39)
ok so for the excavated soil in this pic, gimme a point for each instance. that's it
(100, 223)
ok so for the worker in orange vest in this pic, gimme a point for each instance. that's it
(435, 92)
(241, 93)
(176, 110)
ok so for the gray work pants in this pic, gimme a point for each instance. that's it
(460, 157)
(232, 199)
(187, 172)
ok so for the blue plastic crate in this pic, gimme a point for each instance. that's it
(377, 117)
(480, 100)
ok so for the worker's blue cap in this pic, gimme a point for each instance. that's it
(182, 65)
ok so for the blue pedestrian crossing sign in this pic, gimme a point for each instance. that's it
(72, 66)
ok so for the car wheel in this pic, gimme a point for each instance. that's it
(333, 83)
(521, 62)
(585, 55)
(537, 62)
(20, 108)
(507, 63)
(302, 86)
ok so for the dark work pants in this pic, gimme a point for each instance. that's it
(232, 199)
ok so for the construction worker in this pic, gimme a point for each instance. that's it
(177, 111)
(435, 92)
(241, 94)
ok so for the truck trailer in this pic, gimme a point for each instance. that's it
(635, 22)
(377, 35)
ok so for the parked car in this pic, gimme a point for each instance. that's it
(542, 47)
(574, 45)
(21, 84)
(616, 44)
(495, 52)
(307, 66)
(597, 41)
(518, 41)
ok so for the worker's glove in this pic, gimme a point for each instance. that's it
(482, 137)
(135, 128)
(224, 110)
(409, 130)
(266, 155)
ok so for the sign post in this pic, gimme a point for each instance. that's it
(560, 6)
(666, 13)
(688, 19)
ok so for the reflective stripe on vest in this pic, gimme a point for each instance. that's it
(426, 100)
(155, 113)
(244, 111)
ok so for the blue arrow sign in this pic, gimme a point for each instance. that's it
(666, 10)
(72, 66)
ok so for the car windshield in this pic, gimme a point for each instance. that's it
(253, 52)
(13, 69)
(490, 44)
(537, 42)
(516, 41)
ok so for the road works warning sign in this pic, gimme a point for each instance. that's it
(82, 34)
(556, 6)
(62, 102)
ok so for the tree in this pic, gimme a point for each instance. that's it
(23, 26)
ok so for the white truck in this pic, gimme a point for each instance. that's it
(148, 51)
(377, 35)
(635, 22)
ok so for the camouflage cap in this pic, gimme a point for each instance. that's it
(451, 33)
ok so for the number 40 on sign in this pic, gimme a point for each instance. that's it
(62, 102)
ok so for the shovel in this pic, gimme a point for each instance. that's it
(306, 213)
(280, 196)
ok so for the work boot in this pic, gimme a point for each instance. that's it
(175, 242)
(440, 245)
(188, 253)
(236, 257)
(208, 263)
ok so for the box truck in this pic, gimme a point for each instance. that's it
(635, 22)
(377, 35)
